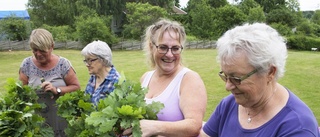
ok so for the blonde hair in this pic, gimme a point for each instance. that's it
(155, 32)
(41, 39)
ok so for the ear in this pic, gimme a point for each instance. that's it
(271, 73)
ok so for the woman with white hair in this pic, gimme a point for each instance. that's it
(98, 59)
(252, 58)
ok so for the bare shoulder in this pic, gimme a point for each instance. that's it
(192, 75)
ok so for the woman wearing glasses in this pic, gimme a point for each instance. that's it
(54, 74)
(252, 59)
(98, 59)
(180, 89)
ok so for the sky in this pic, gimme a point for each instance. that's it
(20, 4)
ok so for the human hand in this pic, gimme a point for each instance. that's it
(49, 88)
(127, 132)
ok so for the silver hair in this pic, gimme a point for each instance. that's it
(262, 45)
(99, 49)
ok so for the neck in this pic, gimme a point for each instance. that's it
(262, 107)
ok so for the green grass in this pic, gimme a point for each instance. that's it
(302, 76)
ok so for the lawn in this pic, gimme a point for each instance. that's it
(302, 71)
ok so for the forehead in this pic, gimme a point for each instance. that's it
(235, 64)
(90, 56)
(169, 37)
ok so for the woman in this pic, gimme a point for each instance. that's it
(98, 59)
(57, 74)
(180, 89)
(252, 59)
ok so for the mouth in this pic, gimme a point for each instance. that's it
(168, 60)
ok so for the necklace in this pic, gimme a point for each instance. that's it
(248, 112)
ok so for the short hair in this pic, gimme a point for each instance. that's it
(263, 46)
(41, 39)
(154, 33)
(100, 49)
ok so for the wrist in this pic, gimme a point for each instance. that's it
(58, 90)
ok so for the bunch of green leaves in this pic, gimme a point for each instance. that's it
(123, 109)
(75, 107)
(18, 112)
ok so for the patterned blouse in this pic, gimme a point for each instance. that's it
(105, 88)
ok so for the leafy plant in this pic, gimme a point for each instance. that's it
(17, 112)
(120, 110)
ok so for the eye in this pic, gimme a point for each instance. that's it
(175, 48)
(163, 47)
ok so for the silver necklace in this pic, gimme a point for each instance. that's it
(248, 112)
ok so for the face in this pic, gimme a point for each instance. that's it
(41, 56)
(167, 62)
(94, 64)
(251, 89)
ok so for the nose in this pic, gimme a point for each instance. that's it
(169, 53)
(229, 85)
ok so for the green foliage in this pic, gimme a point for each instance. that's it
(283, 29)
(122, 109)
(256, 15)
(140, 16)
(226, 18)
(59, 33)
(75, 108)
(301, 42)
(14, 28)
(94, 28)
(283, 16)
(17, 112)
(316, 17)
(202, 21)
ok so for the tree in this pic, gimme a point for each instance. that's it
(256, 15)
(283, 16)
(226, 18)
(52, 12)
(217, 3)
(246, 5)
(139, 16)
(97, 30)
(269, 5)
(202, 21)
(14, 28)
(316, 17)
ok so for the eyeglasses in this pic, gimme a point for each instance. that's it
(89, 61)
(236, 80)
(163, 49)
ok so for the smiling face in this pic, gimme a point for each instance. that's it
(251, 89)
(167, 63)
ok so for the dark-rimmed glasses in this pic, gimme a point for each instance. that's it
(163, 49)
(236, 80)
(89, 61)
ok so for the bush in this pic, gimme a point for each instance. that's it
(94, 28)
(301, 42)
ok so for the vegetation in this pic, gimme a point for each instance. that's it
(17, 112)
(112, 20)
(302, 72)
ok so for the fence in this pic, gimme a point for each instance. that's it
(7, 45)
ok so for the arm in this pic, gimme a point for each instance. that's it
(203, 134)
(193, 101)
(72, 82)
(23, 78)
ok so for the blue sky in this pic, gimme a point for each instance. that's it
(20, 4)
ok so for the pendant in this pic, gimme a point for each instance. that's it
(249, 120)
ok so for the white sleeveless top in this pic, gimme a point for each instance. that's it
(169, 97)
